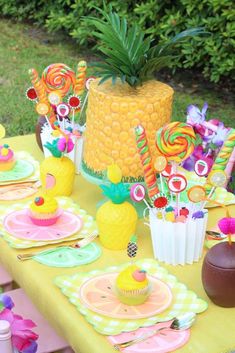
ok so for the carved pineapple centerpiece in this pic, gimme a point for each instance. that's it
(126, 96)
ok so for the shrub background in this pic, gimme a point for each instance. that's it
(214, 56)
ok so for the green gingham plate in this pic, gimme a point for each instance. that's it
(184, 300)
(89, 225)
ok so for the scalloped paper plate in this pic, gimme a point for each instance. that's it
(89, 225)
(183, 301)
(163, 342)
(21, 170)
(19, 225)
(97, 295)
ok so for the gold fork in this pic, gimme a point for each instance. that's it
(79, 244)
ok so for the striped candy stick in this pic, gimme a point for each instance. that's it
(80, 78)
(225, 154)
(146, 160)
(41, 92)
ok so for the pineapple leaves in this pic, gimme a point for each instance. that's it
(129, 55)
(53, 148)
(155, 64)
(117, 193)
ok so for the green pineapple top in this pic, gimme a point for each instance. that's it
(53, 148)
(117, 193)
(128, 54)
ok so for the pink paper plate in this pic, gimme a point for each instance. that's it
(19, 225)
(163, 342)
(97, 295)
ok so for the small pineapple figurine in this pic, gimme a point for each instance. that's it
(116, 218)
(57, 172)
(132, 247)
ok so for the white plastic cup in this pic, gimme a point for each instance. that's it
(178, 243)
(5, 337)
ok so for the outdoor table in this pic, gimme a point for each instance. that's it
(213, 331)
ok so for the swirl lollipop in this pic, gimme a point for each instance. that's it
(176, 141)
(58, 77)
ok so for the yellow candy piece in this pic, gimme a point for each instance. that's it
(217, 178)
(159, 215)
(54, 97)
(197, 193)
(2, 131)
(42, 108)
(4, 151)
(114, 173)
(170, 216)
(160, 163)
(55, 133)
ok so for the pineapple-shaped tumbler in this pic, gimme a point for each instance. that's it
(116, 218)
(57, 172)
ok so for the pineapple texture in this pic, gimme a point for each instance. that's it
(112, 114)
(116, 224)
(63, 172)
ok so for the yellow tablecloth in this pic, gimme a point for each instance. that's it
(212, 333)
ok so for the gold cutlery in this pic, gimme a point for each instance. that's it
(183, 322)
(79, 244)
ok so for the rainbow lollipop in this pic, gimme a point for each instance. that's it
(176, 141)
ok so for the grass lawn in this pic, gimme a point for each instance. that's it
(23, 47)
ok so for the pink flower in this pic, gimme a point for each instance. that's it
(22, 336)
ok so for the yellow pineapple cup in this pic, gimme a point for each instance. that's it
(57, 172)
(116, 219)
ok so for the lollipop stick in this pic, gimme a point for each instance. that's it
(83, 106)
(48, 122)
(161, 181)
(73, 119)
(208, 198)
(146, 203)
(177, 203)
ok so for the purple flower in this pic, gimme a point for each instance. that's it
(195, 116)
(22, 336)
(219, 138)
(6, 301)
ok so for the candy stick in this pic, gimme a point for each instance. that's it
(224, 155)
(229, 167)
(38, 86)
(80, 78)
(41, 93)
(146, 160)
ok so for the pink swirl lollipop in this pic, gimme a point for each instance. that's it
(58, 77)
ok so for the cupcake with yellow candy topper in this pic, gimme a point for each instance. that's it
(7, 159)
(116, 218)
(132, 286)
(44, 211)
